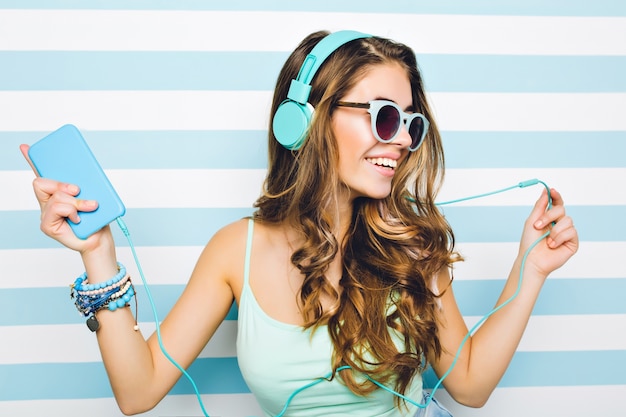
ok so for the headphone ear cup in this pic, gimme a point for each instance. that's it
(291, 123)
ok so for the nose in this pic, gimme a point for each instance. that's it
(403, 138)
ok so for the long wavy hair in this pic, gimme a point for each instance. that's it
(385, 323)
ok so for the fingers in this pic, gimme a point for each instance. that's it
(45, 188)
(62, 203)
(557, 199)
(24, 149)
(562, 230)
(541, 215)
(58, 202)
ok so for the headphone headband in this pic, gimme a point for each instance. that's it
(301, 86)
(293, 116)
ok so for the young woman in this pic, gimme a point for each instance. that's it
(343, 271)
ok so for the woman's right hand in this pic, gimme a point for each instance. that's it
(58, 203)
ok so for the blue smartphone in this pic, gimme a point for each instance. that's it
(63, 155)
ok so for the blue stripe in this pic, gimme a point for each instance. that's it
(536, 369)
(89, 380)
(523, 74)
(235, 149)
(504, 224)
(474, 297)
(193, 227)
(566, 369)
(169, 70)
(53, 381)
(139, 70)
(222, 375)
(59, 309)
(482, 7)
(558, 296)
(230, 149)
(535, 149)
(177, 227)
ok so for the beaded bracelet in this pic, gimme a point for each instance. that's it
(103, 290)
(112, 295)
(78, 284)
(89, 304)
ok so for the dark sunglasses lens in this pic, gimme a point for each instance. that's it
(416, 130)
(387, 122)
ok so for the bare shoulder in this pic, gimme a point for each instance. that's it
(226, 243)
(231, 234)
(224, 254)
(208, 296)
(237, 233)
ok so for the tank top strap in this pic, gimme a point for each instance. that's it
(246, 271)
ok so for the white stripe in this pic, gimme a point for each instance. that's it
(134, 110)
(281, 31)
(195, 188)
(578, 186)
(528, 112)
(570, 401)
(220, 110)
(571, 333)
(241, 187)
(59, 267)
(222, 405)
(75, 343)
(494, 260)
(173, 265)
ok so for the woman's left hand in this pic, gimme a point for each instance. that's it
(562, 242)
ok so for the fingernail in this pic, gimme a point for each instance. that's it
(538, 224)
(73, 189)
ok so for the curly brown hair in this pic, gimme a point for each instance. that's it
(394, 247)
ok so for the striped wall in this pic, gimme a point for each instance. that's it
(173, 98)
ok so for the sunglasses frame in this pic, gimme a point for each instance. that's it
(373, 108)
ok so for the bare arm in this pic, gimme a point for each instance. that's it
(139, 373)
(487, 354)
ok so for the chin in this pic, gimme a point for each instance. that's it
(380, 196)
(376, 194)
(371, 191)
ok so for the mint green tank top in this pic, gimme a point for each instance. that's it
(277, 359)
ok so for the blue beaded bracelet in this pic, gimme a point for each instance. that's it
(78, 284)
(88, 305)
(112, 294)
(121, 301)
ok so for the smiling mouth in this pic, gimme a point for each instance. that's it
(383, 162)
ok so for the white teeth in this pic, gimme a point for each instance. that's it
(386, 162)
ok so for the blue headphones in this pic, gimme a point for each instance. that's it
(293, 116)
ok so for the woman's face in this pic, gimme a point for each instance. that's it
(367, 166)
